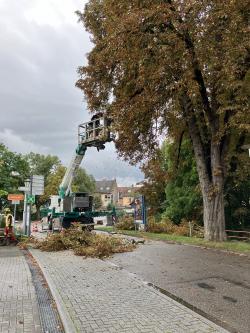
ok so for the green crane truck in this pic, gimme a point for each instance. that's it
(77, 207)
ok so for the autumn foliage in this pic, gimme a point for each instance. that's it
(82, 243)
(159, 68)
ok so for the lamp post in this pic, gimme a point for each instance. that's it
(15, 174)
(27, 208)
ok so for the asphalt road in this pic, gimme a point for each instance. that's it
(215, 282)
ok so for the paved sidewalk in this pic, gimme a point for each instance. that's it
(18, 304)
(96, 296)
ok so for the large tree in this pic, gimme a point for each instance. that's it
(164, 66)
(47, 166)
(83, 182)
(13, 170)
(42, 164)
(12, 163)
(52, 184)
(172, 186)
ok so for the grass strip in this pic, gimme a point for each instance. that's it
(234, 246)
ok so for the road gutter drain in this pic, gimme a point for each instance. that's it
(49, 316)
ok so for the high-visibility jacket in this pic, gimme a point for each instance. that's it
(8, 220)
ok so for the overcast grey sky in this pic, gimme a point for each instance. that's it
(41, 47)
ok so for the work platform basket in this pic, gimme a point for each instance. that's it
(96, 130)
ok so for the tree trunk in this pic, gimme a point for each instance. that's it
(38, 215)
(214, 216)
(211, 179)
(213, 198)
(210, 167)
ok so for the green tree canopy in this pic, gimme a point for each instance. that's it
(97, 201)
(161, 67)
(53, 181)
(83, 182)
(45, 165)
(183, 195)
(172, 186)
(42, 164)
(10, 163)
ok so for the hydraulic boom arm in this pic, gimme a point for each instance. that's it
(65, 186)
(94, 133)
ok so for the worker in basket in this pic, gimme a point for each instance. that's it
(9, 222)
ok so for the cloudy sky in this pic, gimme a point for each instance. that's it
(41, 47)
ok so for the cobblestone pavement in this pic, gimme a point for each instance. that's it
(18, 304)
(97, 296)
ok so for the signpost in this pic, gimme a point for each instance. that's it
(15, 200)
(31, 199)
(24, 189)
(15, 197)
(37, 185)
(140, 212)
(33, 186)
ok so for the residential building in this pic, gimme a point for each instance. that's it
(108, 191)
(125, 196)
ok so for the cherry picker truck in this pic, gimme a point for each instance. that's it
(72, 207)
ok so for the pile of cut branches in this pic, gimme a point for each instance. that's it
(85, 243)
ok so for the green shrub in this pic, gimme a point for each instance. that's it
(182, 229)
(165, 226)
(168, 227)
(125, 222)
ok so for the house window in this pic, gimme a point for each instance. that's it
(107, 188)
(101, 188)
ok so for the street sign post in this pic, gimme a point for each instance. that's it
(37, 183)
(31, 199)
(33, 186)
(15, 197)
(24, 189)
(140, 218)
(15, 200)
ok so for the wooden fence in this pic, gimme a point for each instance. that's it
(242, 235)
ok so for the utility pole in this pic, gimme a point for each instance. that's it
(30, 205)
(34, 185)
(25, 214)
(26, 210)
(14, 214)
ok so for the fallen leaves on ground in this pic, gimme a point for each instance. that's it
(84, 243)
